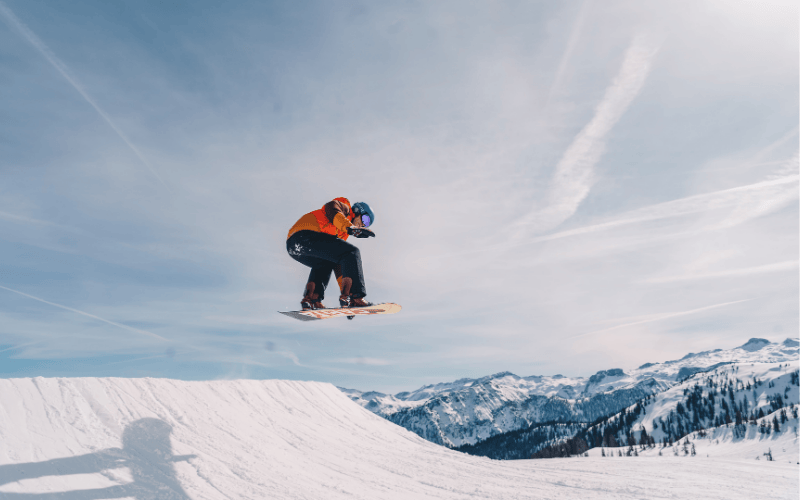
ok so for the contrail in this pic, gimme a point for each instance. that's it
(747, 271)
(574, 175)
(20, 346)
(571, 43)
(745, 202)
(136, 330)
(660, 317)
(20, 218)
(774, 193)
(62, 68)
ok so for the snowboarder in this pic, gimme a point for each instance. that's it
(318, 240)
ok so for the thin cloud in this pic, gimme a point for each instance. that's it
(19, 346)
(747, 271)
(29, 220)
(155, 356)
(364, 361)
(756, 199)
(775, 145)
(745, 203)
(574, 175)
(291, 356)
(62, 68)
(660, 317)
(135, 330)
(571, 44)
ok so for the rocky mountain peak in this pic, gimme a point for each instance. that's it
(599, 376)
(755, 344)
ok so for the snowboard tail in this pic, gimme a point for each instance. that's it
(315, 314)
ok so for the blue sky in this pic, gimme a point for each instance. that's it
(559, 187)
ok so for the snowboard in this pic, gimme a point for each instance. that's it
(349, 312)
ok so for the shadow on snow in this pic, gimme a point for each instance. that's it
(146, 451)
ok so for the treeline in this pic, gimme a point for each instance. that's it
(716, 400)
(522, 443)
(604, 433)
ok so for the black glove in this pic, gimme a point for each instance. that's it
(359, 232)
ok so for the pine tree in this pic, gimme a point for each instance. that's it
(644, 439)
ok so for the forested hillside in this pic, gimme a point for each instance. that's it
(736, 396)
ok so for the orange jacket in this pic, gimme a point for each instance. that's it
(333, 218)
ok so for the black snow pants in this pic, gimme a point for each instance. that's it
(322, 253)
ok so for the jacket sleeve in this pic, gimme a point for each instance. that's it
(337, 212)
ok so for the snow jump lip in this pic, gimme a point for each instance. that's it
(317, 314)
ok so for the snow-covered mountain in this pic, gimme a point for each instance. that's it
(732, 395)
(158, 439)
(748, 409)
(727, 442)
(471, 410)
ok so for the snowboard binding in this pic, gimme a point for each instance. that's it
(311, 300)
(347, 301)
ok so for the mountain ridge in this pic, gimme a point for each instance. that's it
(467, 411)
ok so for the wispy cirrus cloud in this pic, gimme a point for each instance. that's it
(731, 273)
(360, 360)
(660, 317)
(744, 202)
(574, 35)
(88, 315)
(62, 68)
(574, 174)
(22, 219)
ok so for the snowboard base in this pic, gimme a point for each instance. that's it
(349, 312)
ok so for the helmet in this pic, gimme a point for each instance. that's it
(360, 209)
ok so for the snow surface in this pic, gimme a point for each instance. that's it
(90, 438)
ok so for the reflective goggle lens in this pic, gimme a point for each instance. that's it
(365, 219)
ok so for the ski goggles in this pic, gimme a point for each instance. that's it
(366, 220)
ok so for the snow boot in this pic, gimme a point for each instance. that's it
(347, 300)
(311, 300)
(350, 301)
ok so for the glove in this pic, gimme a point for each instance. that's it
(359, 232)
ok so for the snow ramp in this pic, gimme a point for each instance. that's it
(95, 438)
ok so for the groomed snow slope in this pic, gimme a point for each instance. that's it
(81, 439)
